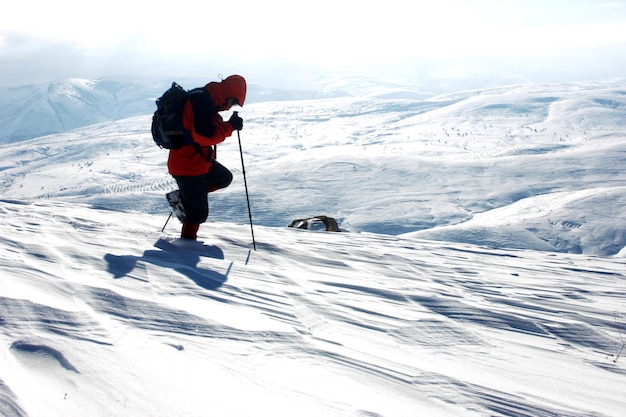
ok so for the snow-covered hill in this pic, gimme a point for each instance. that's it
(31, 111)
(536, 167)
(103, 315)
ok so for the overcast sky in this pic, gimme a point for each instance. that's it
(41, 40)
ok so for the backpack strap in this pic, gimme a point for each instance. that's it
(203, 110)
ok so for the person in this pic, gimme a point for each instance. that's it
(193, 166)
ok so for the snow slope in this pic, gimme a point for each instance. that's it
(35, 110)
(31, 111)
(533, 167)
(101, 315)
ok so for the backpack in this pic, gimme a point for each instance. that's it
(167, 121)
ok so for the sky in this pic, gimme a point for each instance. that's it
(42, 40)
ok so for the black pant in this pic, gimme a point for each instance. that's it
(194, 191)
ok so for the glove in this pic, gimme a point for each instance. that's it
(235, 121)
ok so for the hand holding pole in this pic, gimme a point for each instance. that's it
(245, 183)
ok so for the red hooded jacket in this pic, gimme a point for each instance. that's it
(201, 117)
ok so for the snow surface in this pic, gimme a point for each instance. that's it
(103, 314)
(541, 164)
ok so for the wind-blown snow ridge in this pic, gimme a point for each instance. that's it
(101, 314)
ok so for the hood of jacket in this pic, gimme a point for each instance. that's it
(232, 86)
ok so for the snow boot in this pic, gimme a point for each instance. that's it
(173, 198)
(190, 231)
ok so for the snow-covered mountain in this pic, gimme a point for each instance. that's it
(535, 167)
(102, 313)
(31, 111)
(36, 110)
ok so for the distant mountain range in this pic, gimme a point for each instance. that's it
(37, 110)
(32, 111)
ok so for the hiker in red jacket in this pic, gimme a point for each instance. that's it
(194, 167)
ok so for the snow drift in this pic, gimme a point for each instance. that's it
(103, 315)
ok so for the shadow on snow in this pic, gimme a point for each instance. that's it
(182, 257)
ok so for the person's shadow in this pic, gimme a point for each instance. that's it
(180, 256)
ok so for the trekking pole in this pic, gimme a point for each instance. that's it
(167, 221)
(245, 183)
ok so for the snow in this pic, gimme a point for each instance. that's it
(388, 166)
(483, 272)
